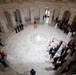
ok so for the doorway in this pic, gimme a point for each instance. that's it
(66, 17)
(46, 15)
(55, 15)
(17, 16)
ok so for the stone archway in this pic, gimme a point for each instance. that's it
(66, 16)
(74, 21)
(8, 19)
(55, 14)
(17, 15)
(46, 15)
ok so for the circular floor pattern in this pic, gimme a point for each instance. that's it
(38, 38)
(24, 53)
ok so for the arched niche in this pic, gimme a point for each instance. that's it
(46, 15)
(66, 16)
(17, 15)
(9, 21)
(27, 15)
(36, 14)
(55, 14)
(1, 29)
(74, 21)
(8, 18)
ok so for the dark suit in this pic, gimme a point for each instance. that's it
(65, 49)
(55, 59)
(63, 56)
(50, 51)
(16, 30)
(32, 72)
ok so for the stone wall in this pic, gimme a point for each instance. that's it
(36, 7)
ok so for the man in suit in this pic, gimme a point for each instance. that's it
(50, 51)
(63, 56)
(64, 49)
(55, 60)
(32, 72)
(56, 66)
(15, 29)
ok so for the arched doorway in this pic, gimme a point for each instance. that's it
(55, 14)
(17, 15)
(36, 14)
(74, 21)
(8, 19)
(46, 15)
(66, 17)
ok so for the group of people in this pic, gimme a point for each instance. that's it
(63, 25)
(52, 50)
(19, 28)
(3, 56)
(68, 50)
(2, 59)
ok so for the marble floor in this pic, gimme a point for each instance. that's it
(23, 54)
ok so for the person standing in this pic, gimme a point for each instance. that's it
(35, 24)
(16, 29)
(32, 72)
(2, 59)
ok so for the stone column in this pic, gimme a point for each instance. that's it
(41, 15)
(32, 15)
(61, 14)
(71, 18)
(23, 17)
(3, 23)
(50, 18)
(13, 18)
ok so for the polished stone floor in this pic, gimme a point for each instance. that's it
(26, 50)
